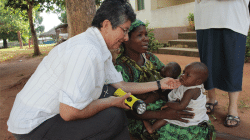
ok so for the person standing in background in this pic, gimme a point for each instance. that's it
(222, 28)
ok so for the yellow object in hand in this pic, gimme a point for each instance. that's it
(134, 103)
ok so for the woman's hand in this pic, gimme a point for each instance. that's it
(119, 101)
(172, 114)
(170, 83)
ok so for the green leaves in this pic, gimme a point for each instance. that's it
(63, 17)
(153, 43)
(11, 21)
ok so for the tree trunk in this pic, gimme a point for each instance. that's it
(20, 39)
(33, 32)
(80, 14)
(5, 44)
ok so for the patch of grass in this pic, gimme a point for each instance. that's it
(7, 54)
(243, 104)
(214, 117)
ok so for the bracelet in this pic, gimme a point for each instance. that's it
(159, 85)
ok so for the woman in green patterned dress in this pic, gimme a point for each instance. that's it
(136, 64)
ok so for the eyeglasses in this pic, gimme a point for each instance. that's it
(124, 30)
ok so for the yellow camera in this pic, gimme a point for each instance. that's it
(134, 103)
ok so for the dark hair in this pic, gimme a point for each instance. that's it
(173, 69)
(201, 69)
(116, 11)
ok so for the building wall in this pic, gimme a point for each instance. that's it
(168, 3)
(163, 35)
(173, 16)
(169, 20)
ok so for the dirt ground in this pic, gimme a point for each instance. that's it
(13, 75)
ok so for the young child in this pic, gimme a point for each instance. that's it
(173, 70)
(190, 94)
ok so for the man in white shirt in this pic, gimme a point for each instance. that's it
(222, 27)
(61, 99)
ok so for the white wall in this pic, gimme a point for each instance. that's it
(173, 16)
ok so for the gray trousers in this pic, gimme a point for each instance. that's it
(109, 124)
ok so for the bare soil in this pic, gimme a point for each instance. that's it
(14, 74)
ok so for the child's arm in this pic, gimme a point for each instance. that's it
(188, 95)
(151, 128)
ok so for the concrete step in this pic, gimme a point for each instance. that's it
(190, 43)
(187, 35)
(192, 52)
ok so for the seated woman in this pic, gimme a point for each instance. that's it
(138, 65)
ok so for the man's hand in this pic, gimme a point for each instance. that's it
(170, 83)
(119, 101)
(172, 114)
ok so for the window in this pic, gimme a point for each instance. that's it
(140, 4)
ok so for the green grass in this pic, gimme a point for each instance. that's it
(243, 104)
(7, 54)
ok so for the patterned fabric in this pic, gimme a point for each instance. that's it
(175, 132)
(135, 24)
(131, 72)
(171, 131)
(136, 127)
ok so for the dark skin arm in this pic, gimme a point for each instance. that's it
(188, 95)
(167, 113)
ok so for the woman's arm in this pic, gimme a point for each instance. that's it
(167, 113)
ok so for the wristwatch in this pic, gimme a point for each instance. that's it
(159, 85)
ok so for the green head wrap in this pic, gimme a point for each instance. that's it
(135, 24)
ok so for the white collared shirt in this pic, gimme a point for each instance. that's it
(73, 73)
(230, 14)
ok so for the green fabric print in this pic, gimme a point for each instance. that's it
(131, 72)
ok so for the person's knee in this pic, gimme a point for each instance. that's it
(118, 118)
(114, 122)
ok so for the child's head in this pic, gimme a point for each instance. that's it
(172, 69)
(194, 74)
